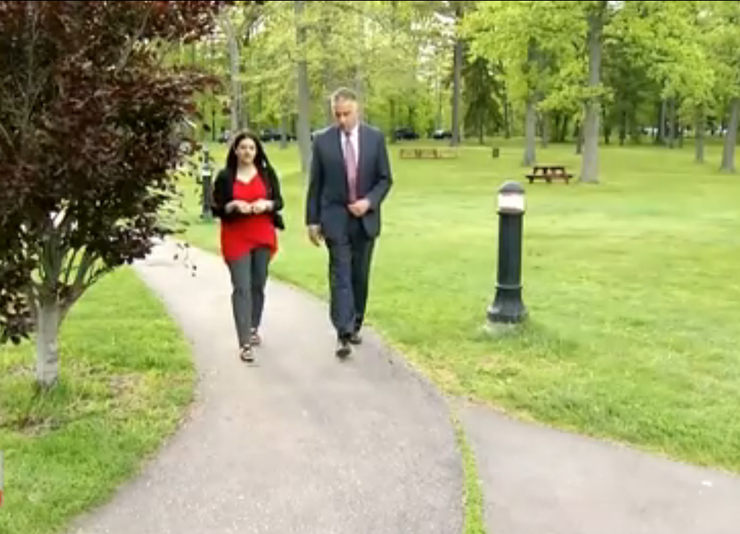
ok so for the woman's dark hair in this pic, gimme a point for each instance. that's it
(260, 159)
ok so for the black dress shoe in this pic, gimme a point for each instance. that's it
(355, 338)
(343, 348)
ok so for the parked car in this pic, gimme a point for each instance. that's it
(269, 134)
(272, 134)
(441, 134)
(405, 133)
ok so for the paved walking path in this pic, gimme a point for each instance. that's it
(539, 480)
(298, 442)
(304, 443)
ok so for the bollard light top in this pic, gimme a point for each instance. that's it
(511, 188)
(511, 198)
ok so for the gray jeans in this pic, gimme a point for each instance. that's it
(248, 279)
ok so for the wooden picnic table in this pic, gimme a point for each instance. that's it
(549, 173)
(428, 153)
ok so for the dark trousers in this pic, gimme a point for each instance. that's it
(349, 276)
(248, 279)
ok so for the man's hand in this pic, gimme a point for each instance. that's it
(314, 234)
(360, 207)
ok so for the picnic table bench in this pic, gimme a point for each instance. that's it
(428, 153)
(549, 173)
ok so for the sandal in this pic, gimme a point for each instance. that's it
(246, 354)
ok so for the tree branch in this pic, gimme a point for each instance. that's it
(82, 282)
(32, 12)
(95, 275)
(88, 259)
(132, 42)
(75, 252)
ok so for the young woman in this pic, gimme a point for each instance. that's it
(247, 199)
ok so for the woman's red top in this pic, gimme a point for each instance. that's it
(241, 235)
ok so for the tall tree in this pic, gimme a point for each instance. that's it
(596, 13)
(482, 94)
(526, 38)
(236, 105)
(725, 42)
(457, 74)
(304, 111)
(668, 40)
(92, 125)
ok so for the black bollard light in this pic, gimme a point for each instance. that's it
(507, 307)
(206, 173)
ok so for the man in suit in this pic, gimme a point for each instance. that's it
(350, 178)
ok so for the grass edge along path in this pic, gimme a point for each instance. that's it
(127, 381)
(474, 521)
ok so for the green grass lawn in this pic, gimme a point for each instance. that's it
(632, 286)
(126, 378)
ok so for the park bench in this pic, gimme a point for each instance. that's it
(549, 173)
(428, 153)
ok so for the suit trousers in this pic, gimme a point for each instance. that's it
(248, 279)
(349, 275)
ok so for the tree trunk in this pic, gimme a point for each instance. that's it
(438, 119)
(360, 90)
(213, 122)
(213, 100)
(507, 115)
(530, 127)
(633, 126)
(304, 125)
(481, 132)
(623, 128)
(699, 135)
(728, 155)
(393, 119)
(564, 129)
(590, 161)
(260, 106)
(234, 71)
(457, 72)
(284, 131)
(672, 123)
(456, 82)
(392, 102)
(662, 123)
(359, 66)
(579, 138)
(510, 129)
(545, 130)
(48, 316)
(326, 72)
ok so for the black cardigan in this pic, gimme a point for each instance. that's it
(223, 193)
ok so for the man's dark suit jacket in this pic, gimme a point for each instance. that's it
(328, 190)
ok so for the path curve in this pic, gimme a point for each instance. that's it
(299, 442)
(540, 480)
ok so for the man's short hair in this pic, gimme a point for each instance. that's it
(343, 93)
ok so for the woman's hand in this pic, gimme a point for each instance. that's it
(238, 206)
(261, 206)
